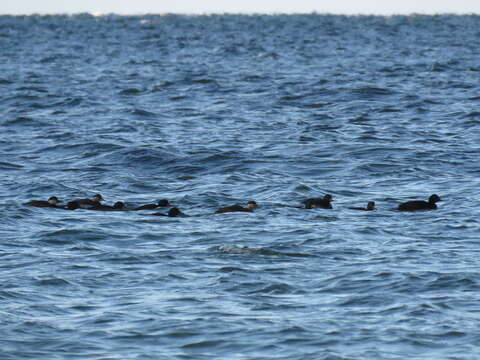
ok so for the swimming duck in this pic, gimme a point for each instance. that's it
(370, 207)
(90, 202)
(173, 212)
(119, 205)
(71, 205)
(51, 202)
(420, 204)
(160, 203)
(237, 208)
(324, 203)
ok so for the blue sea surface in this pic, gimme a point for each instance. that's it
(213, 110)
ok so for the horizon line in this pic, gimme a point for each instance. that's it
(207, 13)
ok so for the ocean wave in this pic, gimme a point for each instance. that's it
(245, 250)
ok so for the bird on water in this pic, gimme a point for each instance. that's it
(90, 202)
(414, 205)
(119, 205)
(324, 203)
(160, 203)
(51, 202)
(238, 208)
(370, 207)
(173, 212)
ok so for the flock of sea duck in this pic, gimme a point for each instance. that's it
(94, 203)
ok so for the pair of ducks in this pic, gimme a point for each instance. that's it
(325, 203)
(53, 201)
(412, 205)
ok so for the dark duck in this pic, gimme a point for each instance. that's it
(238, 208)
(323, 203)
(160, 203)
(119, 205)
(72, 205)
(90, 202)
(370, 207)
(173, 212)
(414, 205)
(51, 202)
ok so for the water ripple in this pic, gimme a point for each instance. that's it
(210, 111)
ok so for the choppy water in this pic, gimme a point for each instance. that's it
(208, 111)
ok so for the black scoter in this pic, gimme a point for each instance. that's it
(370, 207)
(238, 208)
(324, 203)
(119, 205)
(160, 203)
(90, 202)
(72, 205)
(173, 212)
(51, 202)
(414, 205)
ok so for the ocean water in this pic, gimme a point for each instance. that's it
(208, 111)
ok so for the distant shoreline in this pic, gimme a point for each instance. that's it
(220, 13)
